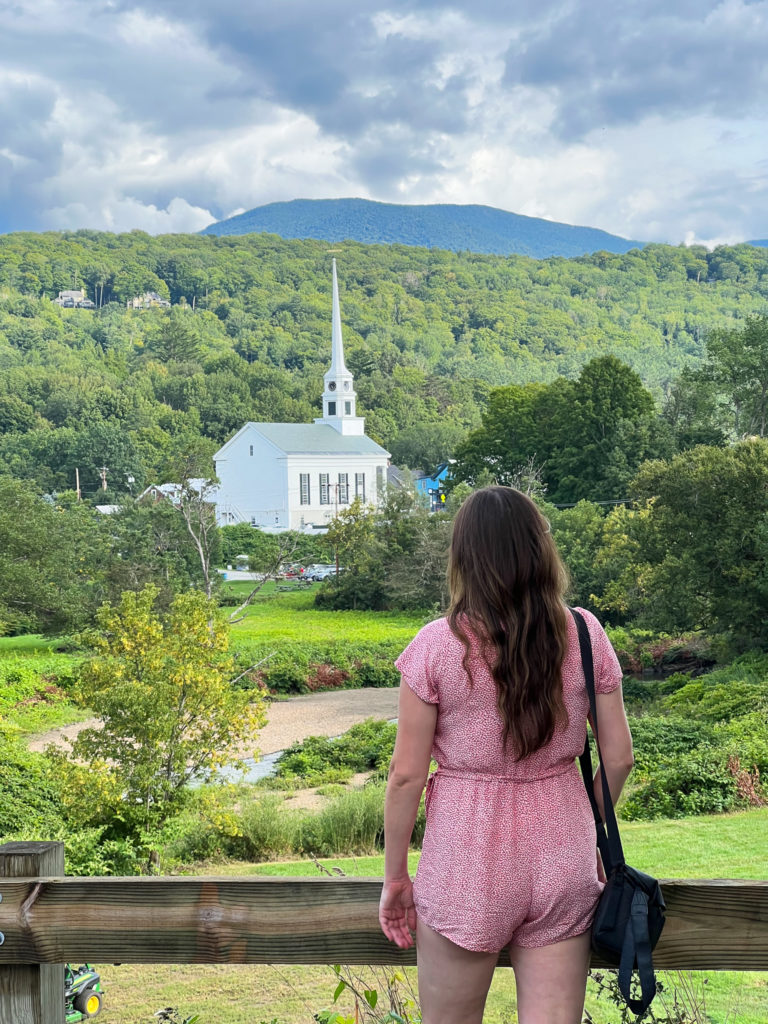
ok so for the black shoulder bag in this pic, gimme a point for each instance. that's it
(630, 914)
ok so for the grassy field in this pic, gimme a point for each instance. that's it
(30, 643)
(277, 617)
(731, 846)
(28, 665)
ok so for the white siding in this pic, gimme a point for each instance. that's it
(253, 487)
(318, 514)
(265, 488)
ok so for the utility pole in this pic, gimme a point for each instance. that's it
(103, 473)
(77, 484)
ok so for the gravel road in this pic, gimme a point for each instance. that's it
(313, 714)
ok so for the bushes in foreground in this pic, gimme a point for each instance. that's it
(352, 823)
(705, 748)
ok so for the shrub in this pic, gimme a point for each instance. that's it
(31, 799)
(289, 678)
(87, 852)
(190, 837)
(376, 674)
(641, 693)
(267, 830)
(717, 702)
(353, 823)
(327, 677)
(746, 738)
(319, 759)
(657, 739)
(697, 782)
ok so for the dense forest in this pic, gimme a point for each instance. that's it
(429, 335)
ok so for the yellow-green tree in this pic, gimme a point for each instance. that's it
(162, 686)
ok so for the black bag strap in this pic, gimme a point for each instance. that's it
(636, 953)
(608, 843)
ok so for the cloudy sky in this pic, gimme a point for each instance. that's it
(647, 118)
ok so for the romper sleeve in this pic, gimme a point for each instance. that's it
(608, 672)
(415, 666)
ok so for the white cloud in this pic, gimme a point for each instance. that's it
(166, 116)
(124, 213)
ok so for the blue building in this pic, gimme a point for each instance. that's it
(432, 486)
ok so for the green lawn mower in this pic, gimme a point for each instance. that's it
(83, 994)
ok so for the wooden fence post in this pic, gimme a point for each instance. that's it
(32, 993)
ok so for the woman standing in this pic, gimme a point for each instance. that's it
(495, 694)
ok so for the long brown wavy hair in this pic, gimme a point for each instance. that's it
(507, 584)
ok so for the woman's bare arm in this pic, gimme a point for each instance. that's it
(408, 772)
(615, 744)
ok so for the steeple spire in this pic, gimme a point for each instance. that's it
(337, 344)
(339, 396)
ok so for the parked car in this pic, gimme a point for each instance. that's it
(329, 571)
(288, 571)
(318, 572)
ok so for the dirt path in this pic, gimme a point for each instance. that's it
(314, 714)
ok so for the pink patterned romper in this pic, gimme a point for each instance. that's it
(509, 852)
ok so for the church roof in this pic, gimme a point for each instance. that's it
(312, 439)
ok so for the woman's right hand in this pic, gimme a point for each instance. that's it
(397, 914)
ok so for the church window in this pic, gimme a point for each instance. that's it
(343, 488)
(331, 408)
(251, 447)
(347, 408)
(304, 488)
(360, 486)
(253, 520)
(325, 489)
(379, 479)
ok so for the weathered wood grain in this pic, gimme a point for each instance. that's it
(711, 925)
(31, 993)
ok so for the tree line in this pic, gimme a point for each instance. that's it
(429, 334)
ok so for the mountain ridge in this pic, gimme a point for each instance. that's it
(451, 226)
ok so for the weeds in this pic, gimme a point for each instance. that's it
(683, 1000)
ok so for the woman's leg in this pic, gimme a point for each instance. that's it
(453, 982)
(551, 981)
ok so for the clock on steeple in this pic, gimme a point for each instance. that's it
(340, 415)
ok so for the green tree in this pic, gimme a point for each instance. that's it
(51, 562)
(606, 426)
(161, 685)
(694, 554)
(176, 340)
(353, 538)
(578, 533)
(589, 436)
(696, 411)
(738, 364)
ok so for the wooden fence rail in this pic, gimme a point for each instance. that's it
(711, 925)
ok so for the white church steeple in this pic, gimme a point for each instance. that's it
(339, 398)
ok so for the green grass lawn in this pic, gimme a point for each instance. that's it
(730, 846)
(277, 618)
(29, 643)
(30, 670)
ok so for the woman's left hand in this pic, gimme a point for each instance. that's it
(397, 914)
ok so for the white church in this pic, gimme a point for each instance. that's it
(297, 476)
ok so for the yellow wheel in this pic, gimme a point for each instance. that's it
(89, 1003)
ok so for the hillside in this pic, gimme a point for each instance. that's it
(481, 229)
(427, 334)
